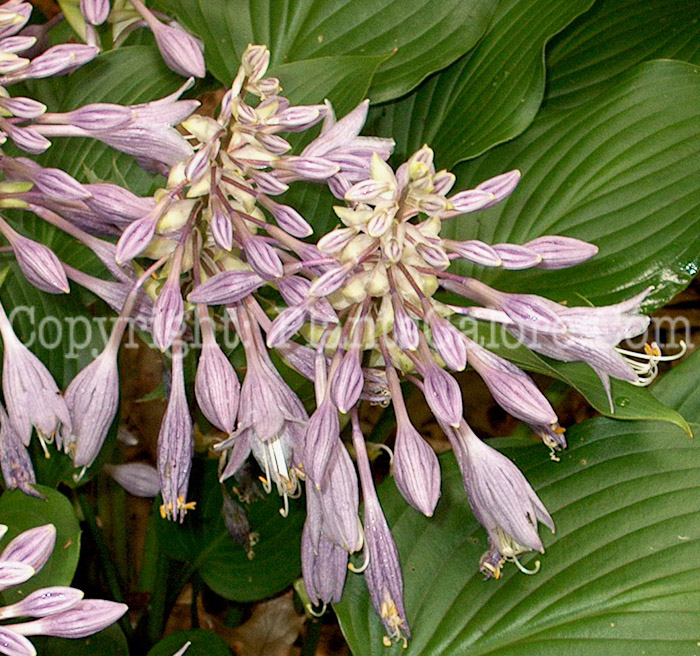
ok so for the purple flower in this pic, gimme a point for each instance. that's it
(31, 394)
(501, 499)
(216, 385)
(176, 445)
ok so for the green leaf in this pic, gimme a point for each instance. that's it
(489, 95)
(593, 52)
(204, 643)
(126, 76)
(621, 172)
(424, 37)
(224, 565)
(19, 513)
(630, 402)
(342, 80)
(619, 577)
(109, 641)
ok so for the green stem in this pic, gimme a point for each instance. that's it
(107, 565)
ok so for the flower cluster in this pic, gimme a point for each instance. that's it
(56, 611)
(357, 313)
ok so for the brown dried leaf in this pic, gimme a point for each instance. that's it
(272, 629)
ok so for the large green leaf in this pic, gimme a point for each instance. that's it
(621, 172)
(203, 643)
(614, 36)
(425, 36)
(342, 80)
(489, 95)
(225, 566)
(20, 512)
(125, 76)
(109, 641)
(619, 577)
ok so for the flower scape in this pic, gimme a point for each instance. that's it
(358, 311)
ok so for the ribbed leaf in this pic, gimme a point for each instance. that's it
(426, 35)
(488, 96)
(342, 80)
(614, 36)
(619, 577)
(621, 172)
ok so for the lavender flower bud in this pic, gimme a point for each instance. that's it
(137, 478)
(298, 118)
(263, 258)
(168, 314)
(443, 395)
(39, 265)
(181, 51)
(216, 386)
(226, 288)
(286, 325)
(23, 107)
(32, 547)
(316, 169)
(287, 218)
(406, 331)
(255, 61)
(416, 469)
(516, 257)
(62, 58)
(13, 573)
(28, 139)
(92, 398)
(329, 282)
(268, 183)
(560, 252)
(95, 11)
(449, 343)
(434, 256)
(86, 617)
(348, 381)
(220, 224)
(14, 644)
(43, 602)
(501, 186)
(321, 439)
(475, 251)
(136, 238)
(176, 445)
(470, 200)
(512, 388)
